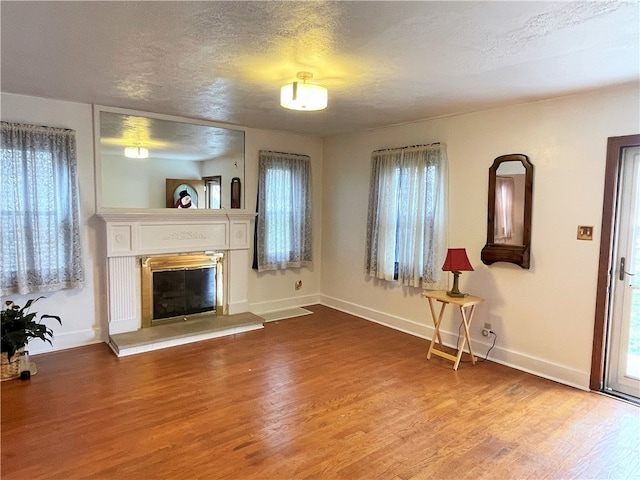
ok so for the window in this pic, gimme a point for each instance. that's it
(406, 223)
(39, 218)
(283, 226)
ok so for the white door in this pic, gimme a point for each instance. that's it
(623, 343)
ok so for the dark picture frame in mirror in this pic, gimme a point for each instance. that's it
(236, 192)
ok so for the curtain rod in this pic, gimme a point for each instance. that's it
(33, 126)
(408, 146)
(285, 153)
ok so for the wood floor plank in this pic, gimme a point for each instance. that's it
(325, 395)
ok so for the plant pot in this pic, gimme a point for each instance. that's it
(10, 367)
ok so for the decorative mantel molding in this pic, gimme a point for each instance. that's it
(160, 231)
(133, 233)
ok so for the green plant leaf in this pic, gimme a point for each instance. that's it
(18, 326)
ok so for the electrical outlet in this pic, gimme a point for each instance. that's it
(485, 332)
(298, 284)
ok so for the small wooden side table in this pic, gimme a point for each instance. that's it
(468, 302)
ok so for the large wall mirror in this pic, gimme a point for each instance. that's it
(150, 161)
(509, 211)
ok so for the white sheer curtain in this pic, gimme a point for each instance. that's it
(406, 224)
(40, 243)
(503, 229)
(283, 226)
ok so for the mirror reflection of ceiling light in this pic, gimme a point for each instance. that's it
(303, 96)
(136, 152)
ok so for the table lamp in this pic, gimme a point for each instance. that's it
(456, 262)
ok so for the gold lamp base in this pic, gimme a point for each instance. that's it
(455, 292)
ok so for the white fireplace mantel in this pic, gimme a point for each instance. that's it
(131, 234)
(162, 231)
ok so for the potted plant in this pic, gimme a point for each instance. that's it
(18, 326)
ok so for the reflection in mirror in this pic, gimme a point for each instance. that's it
(182, 193)
(236, 188)
(178, 149)
(213, 191)
(509, 211)
(509, 204)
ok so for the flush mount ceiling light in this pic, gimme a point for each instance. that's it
(303, 96)
(136, 152)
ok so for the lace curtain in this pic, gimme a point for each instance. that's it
(406, 224)
(39, 218)
(283, 226)
(503, 229)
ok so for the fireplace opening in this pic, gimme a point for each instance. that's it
(177, 287)
(183, 292)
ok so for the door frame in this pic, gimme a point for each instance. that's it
(615, 145)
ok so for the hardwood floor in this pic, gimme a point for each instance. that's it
(326, 395)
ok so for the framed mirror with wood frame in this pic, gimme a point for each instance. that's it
(510, 197)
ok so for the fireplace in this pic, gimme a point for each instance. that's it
(178, 287)
(178, 234)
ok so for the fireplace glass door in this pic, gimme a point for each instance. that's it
(177, 293)
(180, 286)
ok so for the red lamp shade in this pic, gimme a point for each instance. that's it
(457, 261)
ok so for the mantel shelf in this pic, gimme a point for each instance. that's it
(173, 215)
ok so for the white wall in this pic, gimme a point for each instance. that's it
(78, 308)
(543, 316)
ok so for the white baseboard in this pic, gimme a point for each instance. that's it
(272, 306)
(63, 341)
(519, 361)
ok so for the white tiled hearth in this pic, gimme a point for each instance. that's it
(133, 235)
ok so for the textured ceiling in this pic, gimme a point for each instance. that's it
(383, 62)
